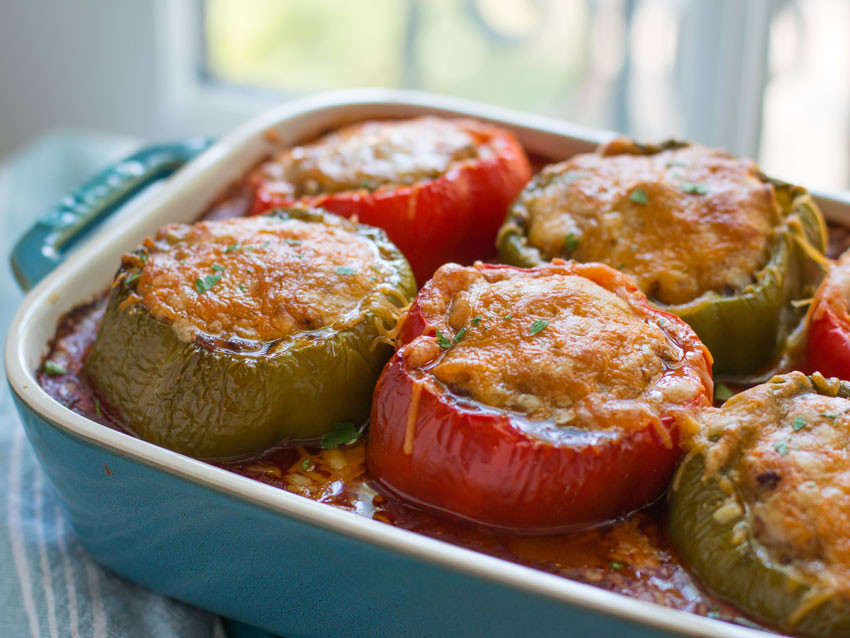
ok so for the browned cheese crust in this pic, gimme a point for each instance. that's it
(579, 349)
(633, 212)
(371, 155)
(790, 461)
(264, 277)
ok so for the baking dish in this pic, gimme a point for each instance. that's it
(245, 550)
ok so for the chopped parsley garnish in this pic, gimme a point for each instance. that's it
(694, 188)
(539, 325)
(507, 317)
(267, 243)
(829, 415)
(723, 392)
(781, 447)
(367, 185)
(373, 279)
(460, 334)
(143, 257)
(243, 288)
(617, 565)
(131, 278)
(217, 267)
(205, 284)
(346, 270)
(343, 434)
(232, 247)
(677, 163)
(799, 423)
(569, 178)
(305, 464)
(570, 242)
(476, 320)
(293, 242)
(54, 369)
(639, 196)
(620, 266)
(97, 406)
(443, 341)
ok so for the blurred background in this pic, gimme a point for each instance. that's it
(764, 78)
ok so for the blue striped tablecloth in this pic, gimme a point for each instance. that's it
(49, 586)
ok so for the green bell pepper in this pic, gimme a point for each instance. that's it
(718, 519)
(747, 330)
(210, 399)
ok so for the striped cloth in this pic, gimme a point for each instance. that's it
(49, 585)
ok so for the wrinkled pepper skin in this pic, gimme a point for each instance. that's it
(210, 402)
(741, 572)
(746, 332)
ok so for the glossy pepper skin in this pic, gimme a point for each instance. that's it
(479, 464)
(828, 339)
(453, 217)
(208, 401)
(730, 562)
(746, 331)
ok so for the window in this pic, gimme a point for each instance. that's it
(765, 78)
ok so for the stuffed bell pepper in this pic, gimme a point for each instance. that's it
(704, 234)
(223, 339)
(439, 187)
(759, 509)
(534, 400)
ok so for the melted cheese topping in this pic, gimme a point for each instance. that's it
(267, 277)
(551, 345)
(370, 155)
(623, 209)
(788, 455)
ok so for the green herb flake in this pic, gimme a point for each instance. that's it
(799, 423)
(366, 184)
(131, 278)
(97, 407)
(723, 392)
(620, 266)
(217, 267)
(617, 565)
(694, 188)
(460, 334)
(293, 242)
(243, 288)
(639, 196)
(305, 464)
(346, 270)
(539, 325)
(54, 369)
(204, 285)
(507, 317)
(476, 320)
(679, 163)
(143, 257)
(443, 341)
(781, 447)
(712, 613)
(829, 415)
(373, 279)
(633, 248)
(232, 247)
(344, 434)
(571, 242)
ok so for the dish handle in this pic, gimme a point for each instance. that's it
(49, 241)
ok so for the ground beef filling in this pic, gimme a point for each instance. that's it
(370, 155)
(558, 347)
(622, 209)
(791, 465)
(257, 278)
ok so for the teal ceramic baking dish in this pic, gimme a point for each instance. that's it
(248, 551)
